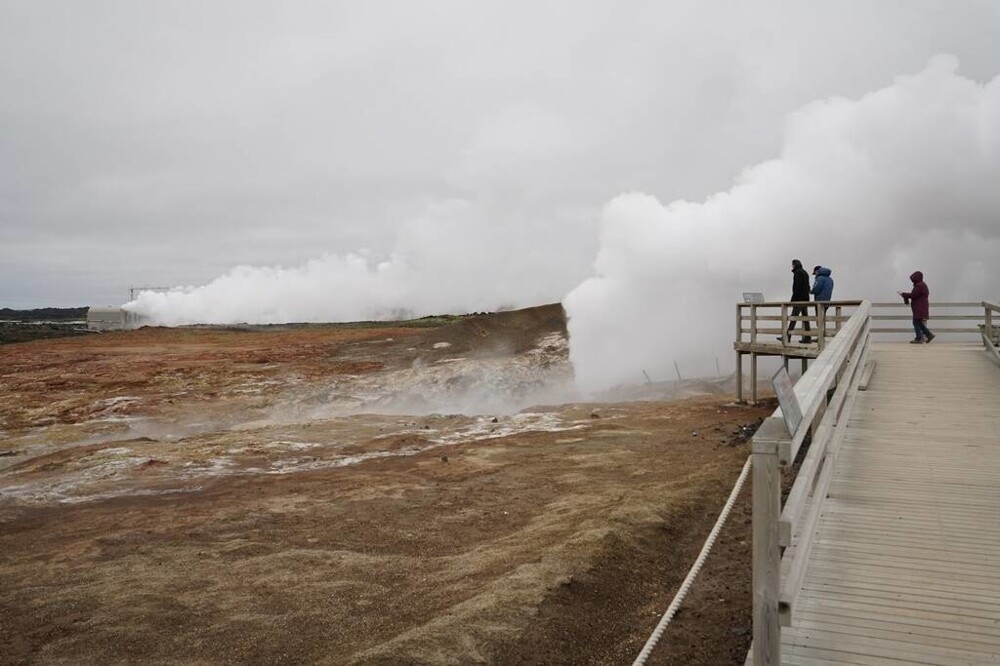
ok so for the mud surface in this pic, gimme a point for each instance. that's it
(359, 494)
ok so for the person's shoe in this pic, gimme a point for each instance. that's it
(930, 336)
(807, 341)
(781, 338)
(918, 341)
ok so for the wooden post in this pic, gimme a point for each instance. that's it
(753, 378)
(805, 364)
(766, 550)
(784, 324)
(836, 324)
(739, 377)
(739, 323)
(821, 323)
(989, 322)
(753, 323)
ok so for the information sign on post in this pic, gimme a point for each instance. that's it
(790, 409)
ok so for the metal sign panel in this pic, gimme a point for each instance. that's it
(753, 297)
(790, 409)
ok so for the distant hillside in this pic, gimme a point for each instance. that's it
(27, 325)
(44, 314)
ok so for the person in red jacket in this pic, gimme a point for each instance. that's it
(918, 298)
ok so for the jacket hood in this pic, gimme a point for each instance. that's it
(917, 277)
(825, 272)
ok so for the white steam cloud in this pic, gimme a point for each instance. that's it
(457, 258)
(904, 178)
(901, 179)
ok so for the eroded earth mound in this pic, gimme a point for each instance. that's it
(377, 493)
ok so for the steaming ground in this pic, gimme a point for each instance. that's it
(351, 388)
(355, 494)
(198, 404)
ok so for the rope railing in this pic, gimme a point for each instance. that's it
(811, 391)
(685, 587)
(842, 368)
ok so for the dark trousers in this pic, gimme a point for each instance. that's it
(799, 312)
(921, 330)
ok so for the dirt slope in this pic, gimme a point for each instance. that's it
(304, 495)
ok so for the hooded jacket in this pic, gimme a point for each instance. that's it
(823, 285)
(919, 297)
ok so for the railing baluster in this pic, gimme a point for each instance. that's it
(784, 324)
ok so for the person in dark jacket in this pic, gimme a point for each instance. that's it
(800, 294)
(919, 300)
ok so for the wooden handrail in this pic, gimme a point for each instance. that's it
(763, 318)
(777, 577)
(944, 322)
(779, 311)
(778, 303)
(991, 333)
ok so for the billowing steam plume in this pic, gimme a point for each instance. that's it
(904, 178)
(460, 257)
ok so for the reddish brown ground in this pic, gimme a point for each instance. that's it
(188, 495)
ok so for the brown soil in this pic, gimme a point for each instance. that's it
(264, 496)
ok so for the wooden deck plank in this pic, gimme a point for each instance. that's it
(901, 633)
(905, 597)
(836, 607)
(888, 648)
(930, 625)
(906, 563)
(876, 529)
(873, 568)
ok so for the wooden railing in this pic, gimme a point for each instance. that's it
(990, 329)
(782, 535)
(824, 395)
(945, 318)
(763, 323)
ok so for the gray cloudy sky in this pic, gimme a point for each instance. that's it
(167, 142)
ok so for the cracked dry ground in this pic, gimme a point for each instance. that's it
(250, 496)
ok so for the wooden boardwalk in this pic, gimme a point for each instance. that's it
(905, 568)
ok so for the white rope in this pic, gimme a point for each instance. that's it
(686, 585)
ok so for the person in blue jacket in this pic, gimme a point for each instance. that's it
(823, 284)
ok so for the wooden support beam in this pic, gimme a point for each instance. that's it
(739, 377)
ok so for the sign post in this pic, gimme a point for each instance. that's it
(789, 403)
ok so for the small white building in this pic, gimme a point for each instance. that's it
(106, 318)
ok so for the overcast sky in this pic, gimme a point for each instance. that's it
(165, 143)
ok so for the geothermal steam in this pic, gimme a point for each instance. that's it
(459, 257)
(904, 178)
